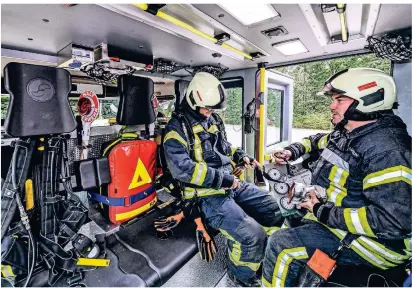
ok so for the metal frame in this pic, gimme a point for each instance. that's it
(276, 81)
(243, 98)
(282, 102)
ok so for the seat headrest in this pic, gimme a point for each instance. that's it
(39, 103)
(136, 94)
(180, 91)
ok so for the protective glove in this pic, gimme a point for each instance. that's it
(300, 193)
(205, 242)
(249, 163)
(163, 224)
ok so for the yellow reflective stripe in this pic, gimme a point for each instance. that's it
(227, 235)
(367, 248)
(336, 191)
(374, 259)
(140, 210)
(357, 221)
(197, 129)
(236, 251)
(408, 244)
(198, 149)
(364, 222)
(6, 271)
(388, 175)
(253, 266)
(212, 129)
(270, 230)
(129, 135)
(265, 283)
(382, 250)
(201, 192)
(282, 264)
(199, 174)
(307, 144)
(174, 135)
(323, 142)
(234, 150)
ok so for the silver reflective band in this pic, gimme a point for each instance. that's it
(334, 159)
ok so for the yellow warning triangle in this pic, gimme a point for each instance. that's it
(141, 176)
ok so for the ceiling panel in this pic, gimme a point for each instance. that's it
(91, 24)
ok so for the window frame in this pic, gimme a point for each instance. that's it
(237, 82)
(280, 88)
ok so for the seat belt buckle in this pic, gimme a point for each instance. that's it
(127, 202)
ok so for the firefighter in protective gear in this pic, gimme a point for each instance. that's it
(239, 210)
(365, 167)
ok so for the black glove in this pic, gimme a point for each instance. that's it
(205, 243)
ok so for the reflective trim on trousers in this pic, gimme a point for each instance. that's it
(282, 264)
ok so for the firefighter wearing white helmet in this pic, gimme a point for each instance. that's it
(364, 165)
(373, 90)
(198, 155)
(206, 91)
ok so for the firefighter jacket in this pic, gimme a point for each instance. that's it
(367, 174)
(210, 168)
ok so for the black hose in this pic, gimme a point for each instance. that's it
(24, 218)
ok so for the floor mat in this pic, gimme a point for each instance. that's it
(199, 273)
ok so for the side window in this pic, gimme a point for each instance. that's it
(232, 116)
(274, 116)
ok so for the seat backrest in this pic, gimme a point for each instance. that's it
(39, 103)
(180, 91)
(135, 106)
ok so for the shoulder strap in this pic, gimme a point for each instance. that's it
(187, 131)
(219, 123)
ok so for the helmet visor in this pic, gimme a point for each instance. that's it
(329, 90)
(221, 105)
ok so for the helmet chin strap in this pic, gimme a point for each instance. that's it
(355, 115)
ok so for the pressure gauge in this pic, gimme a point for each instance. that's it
(281, 188)
(274, 174)
(284, 202)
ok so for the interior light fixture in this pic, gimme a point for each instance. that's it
(250, 14)
(290, 47)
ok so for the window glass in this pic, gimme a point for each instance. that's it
(274, 116)
(232, 116)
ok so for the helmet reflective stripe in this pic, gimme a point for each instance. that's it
(206, 91)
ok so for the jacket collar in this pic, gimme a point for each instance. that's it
(387, 120)
(195, 118)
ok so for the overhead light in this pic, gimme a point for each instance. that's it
(290, 47)
(249, 14)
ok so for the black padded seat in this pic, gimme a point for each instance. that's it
(141, 252)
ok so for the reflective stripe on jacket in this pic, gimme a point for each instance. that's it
(213, 155)
(367, 174)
